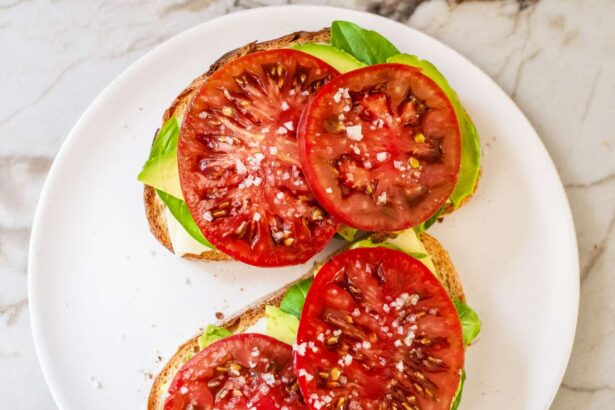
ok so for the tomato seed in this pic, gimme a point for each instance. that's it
(214, 383)
(218, 213)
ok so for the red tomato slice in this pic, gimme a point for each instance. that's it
(239, 163)
(244, 371)
(378, 331)
(380, 147)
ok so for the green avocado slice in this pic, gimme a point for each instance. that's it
(281, 325)
(160, 170)
(338, 59)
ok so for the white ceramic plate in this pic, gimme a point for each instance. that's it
(107, 300)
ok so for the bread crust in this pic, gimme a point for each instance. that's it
(247, 317)
(445, 270)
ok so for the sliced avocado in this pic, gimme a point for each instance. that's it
(338, 59)
(408, 241)
(470, 143)
(160, 170)
(368, 243)
(281, 325)
(211, 334)
(162, 173)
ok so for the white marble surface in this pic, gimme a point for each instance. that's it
(554, 57)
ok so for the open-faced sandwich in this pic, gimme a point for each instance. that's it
(283, 143)
(383, 324)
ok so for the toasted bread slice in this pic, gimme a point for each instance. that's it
(247, 317)
(154, 207)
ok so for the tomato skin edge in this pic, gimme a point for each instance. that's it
(233, 345)
(241, 254)
(326, 274)
(325, 199)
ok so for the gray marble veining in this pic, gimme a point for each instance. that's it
(554, 58)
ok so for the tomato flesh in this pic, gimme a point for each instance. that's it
(378, 331)
(380, 147)
(245, 371)
(239, 163)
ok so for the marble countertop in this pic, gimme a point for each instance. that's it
(554, 58)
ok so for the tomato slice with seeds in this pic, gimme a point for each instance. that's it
(239, 164)
(380, 147)
(378, 331)
(244, 371)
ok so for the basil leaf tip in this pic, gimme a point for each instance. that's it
(367, 46)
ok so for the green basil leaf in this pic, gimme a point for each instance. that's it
(179, 210)
(470, 143)
(365, 45)
(211, 334)
(161, 173)
(294, 298)
(419, 229)
(346, 232)
(166, 139)
(160, 170)
(428, 223)
(457, 400)
(470, 322)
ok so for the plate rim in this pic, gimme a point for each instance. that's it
(73, 137)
